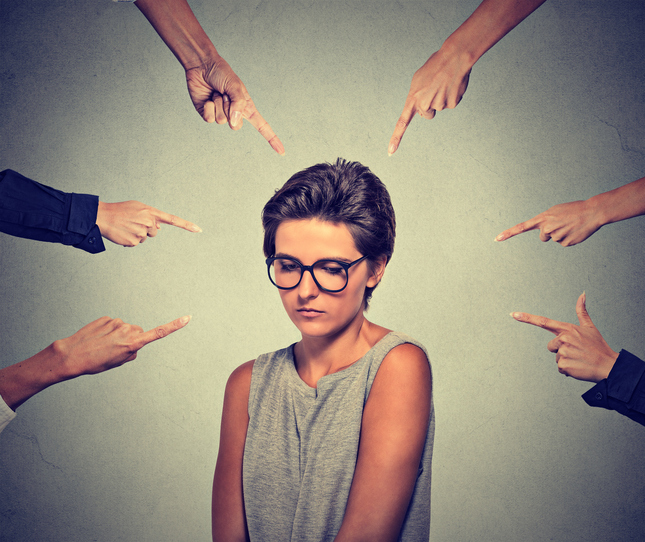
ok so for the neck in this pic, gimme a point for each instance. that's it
(320, 356)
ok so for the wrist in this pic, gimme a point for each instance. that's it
(59, 364)
(101, 216)
(600, 209)
(608, 365)
(105, 218)
(200, 57)
(455, 47)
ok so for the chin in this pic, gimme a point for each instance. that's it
(320, 330)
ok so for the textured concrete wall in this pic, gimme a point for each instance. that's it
(92, 101)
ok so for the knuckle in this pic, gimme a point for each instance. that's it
(265, 130)
(542, 321)
(160, 332)
(401, 124)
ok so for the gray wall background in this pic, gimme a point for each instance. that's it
(92, 101)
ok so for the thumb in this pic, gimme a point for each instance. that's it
(581, 310)
(236, 93)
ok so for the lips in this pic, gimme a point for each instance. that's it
(308, 311)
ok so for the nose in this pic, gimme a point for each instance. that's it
(308, 289)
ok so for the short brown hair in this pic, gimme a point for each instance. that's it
(343, 192)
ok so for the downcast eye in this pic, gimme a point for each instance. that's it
(288, 266)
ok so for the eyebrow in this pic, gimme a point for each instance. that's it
(290, 257)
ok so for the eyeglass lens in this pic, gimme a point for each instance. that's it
(286, 273)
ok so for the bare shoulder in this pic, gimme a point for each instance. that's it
(239, 383)
(406, 353)
(404, 376)
(406, 361)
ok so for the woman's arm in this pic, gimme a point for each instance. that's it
(216, 91)
(101, 345)
(442, 81)
(229, 521)
(571, 223)
(393, 433)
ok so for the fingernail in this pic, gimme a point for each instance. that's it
(500, 237)
(516, 315)
(277, 146)
(195, 228)
(391, 149)
(185, 319)
(235, 119)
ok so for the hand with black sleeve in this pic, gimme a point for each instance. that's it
(582, 353)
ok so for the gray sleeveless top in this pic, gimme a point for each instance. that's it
(302, 444)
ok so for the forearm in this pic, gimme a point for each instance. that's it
(488, 24)
(32, 210)
(177, 26)
(25, 379)
(621, 203)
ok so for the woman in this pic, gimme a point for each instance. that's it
(330, 438)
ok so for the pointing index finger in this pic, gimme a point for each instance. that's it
(401, 126)
(173, 220)
(262, 126)
(522, 227)
(541, 321)
(163, 331)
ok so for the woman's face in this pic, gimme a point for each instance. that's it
(315, 312)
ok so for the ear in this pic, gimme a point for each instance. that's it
(378, 269)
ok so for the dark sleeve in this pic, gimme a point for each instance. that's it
(34, 211)
(623, 390)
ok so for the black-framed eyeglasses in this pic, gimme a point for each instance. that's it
(329, 275)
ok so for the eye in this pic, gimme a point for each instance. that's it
(288, 266)
(332, 268)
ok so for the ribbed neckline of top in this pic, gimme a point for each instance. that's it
(343, 373)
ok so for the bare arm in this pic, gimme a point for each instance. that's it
(216, 91)
(442, 81)
(621, 203)
(488, 24)
(228, 516)
(571, 223)
(393, 433)
(101, 345)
